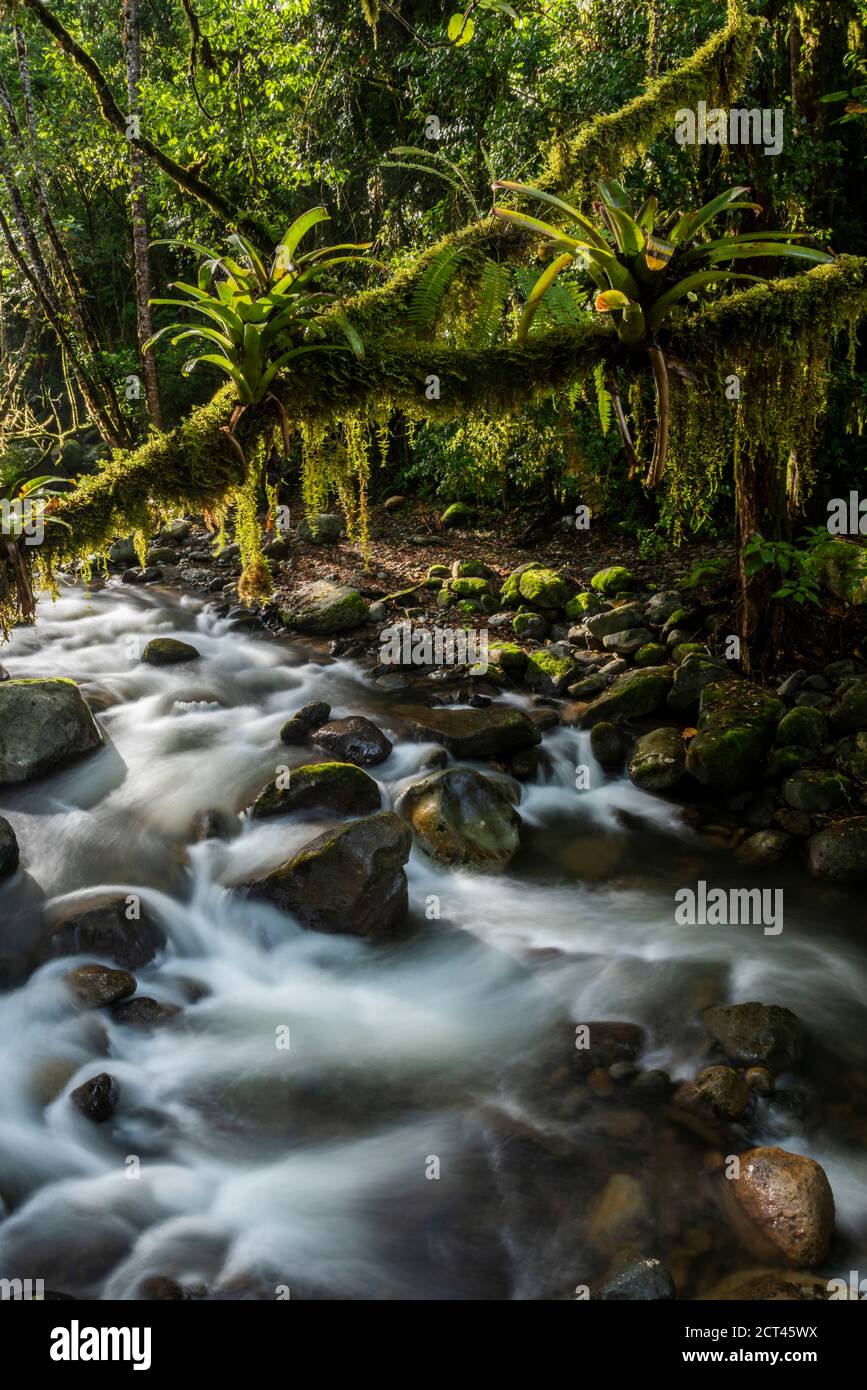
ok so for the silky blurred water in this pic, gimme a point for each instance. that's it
(238, 1166)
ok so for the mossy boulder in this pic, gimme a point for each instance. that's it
(471, 569)
(851, 757)
(531, 625)
(439, 572)
(651, 654)
(334, 789)
(682, 650)
(692, 675)
(581, 606)
(477, 733)
(510, 593)
(348, 881)
(804, 727)
(816, 790)
(550, 673)
(469, 607)
(615, 579)
(543, 588)
(630, 696)
(458, 515)
(322, 528)
(849, 715)
(509, 656)
(658, 761)
(469, 587)
(839, 853)
(735, 729)
(44, 724)
(168, 651)
(324, 607)
(462, 819)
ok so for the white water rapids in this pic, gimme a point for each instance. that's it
(231, 1160)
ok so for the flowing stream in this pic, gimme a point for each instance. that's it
(404, 1144)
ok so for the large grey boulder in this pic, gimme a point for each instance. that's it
(324, 607)
(44, 724)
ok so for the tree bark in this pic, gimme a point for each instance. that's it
(761, 508)
(139, 214)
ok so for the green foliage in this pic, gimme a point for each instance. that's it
(799, 565)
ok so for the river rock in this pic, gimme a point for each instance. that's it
(168, 651)
(462, 819)
(715, 1092)
(658, 761)
(604, 1043)
(97, 985)
(839, 852)
(643, 1281)
(44, 724)
(97, 1098)
(619, 1214)
(324, 606)
(354, 740)
(101, 928)
(849, 715)
(735, 728)
(764, 847)
(803, 727)
(692, 675)
(9, 852)
(628, 642)
(335, 789)
(349, 880)
(550, 672)
(782, 1207)
(299, 726)
(144, 1013)
(815, 790)
(612, 620)
(322, 528)
(476, 733)
(756, 1034)
(631, 695)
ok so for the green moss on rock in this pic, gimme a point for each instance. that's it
(736, 725)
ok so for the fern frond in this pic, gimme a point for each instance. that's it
(603, 397)
(494, 284)
(430, 291)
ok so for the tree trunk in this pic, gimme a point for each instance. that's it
(761, 508)
(139, 214)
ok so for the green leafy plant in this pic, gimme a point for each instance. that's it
(704, 574)
(18, 494)
(644, 264)
(262, 316)
(800, 565)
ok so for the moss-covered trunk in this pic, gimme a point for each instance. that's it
(761, 507)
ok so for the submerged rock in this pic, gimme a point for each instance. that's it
(735, 728)
(9, 852)
(782, 1207)
(477, 733)
(168, 651)
(349, 880)
(144, 1012)
(44, 724)
(324, 606)
(97, 985)
(354, 740)
(97, 1098)
(462, 819)
(640, 1282)
(102, 928)
(338, 789)
(658, 761)
(756, 1034)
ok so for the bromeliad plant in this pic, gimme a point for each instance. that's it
(262, 316)
(644, 263)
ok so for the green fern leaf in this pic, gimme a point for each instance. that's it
(494, 285)
(430, 291)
